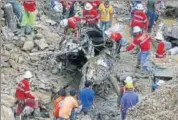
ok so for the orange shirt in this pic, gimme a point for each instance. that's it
(56, 102)
(68, 105)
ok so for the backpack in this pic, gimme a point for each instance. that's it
(57, 109)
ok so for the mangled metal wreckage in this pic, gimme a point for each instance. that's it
(91, 55)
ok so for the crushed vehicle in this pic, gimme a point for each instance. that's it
(91, 55)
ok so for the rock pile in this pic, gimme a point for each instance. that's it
(160, 105)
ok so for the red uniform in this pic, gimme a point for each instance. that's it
(24, 98)
(29, 5)
(73, 21)
(143, 40)
(140, 19)
(91, 16)
(95, 4)
(161, 52)
(23, 91)
(116, 36)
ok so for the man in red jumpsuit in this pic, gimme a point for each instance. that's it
(116, 37)
(160, 51)
(23, 96)
(143, 40)
(70, 25)
(90, 14)
(140, 18)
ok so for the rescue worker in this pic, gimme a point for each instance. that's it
(86, 96)
(17, 10)
(139, 18)
(151, 12)
(23, 96)
(143, 40)
(70, 25)
(90, 15)
(68, 8)
(133, 5)
(69, 104)
(116, 37)
(28, 17)
(106, 13)
(123, 89)
(161, 50)
(58, 103)
(129, 99)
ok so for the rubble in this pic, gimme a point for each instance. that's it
(160, 105)
(28, 45)
(38, 53)
(41, 44)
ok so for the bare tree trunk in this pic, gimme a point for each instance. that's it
(10, 17)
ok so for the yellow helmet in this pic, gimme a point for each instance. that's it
(129, 85)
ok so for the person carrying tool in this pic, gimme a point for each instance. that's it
(90, 14)
(139, 18)
(143, 40)
(23, 96)
(70, 25)
(67, 111)
(58, 103)
(129, 99)
(161, 50)
(86, 96)
(28, 17)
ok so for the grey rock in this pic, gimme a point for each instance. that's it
(28, 45)
(41, 44)
(38, 36)
(43, 97)
(34, 59)
(13, 64)
(21, 59)
(5, 58)
(6, 113)
(7, 100)
(9, 46)
(4, 64)
(14, 56)
(55, 70)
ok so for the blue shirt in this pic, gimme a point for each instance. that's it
(86, 97)
(128, 100)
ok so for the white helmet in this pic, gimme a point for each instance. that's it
(27, 74)
(64, 22)
(128, 80)
(137, 29)
(88, 6)
(159, 36)
(139, 7)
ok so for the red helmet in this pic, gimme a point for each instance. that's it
(116, 36)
